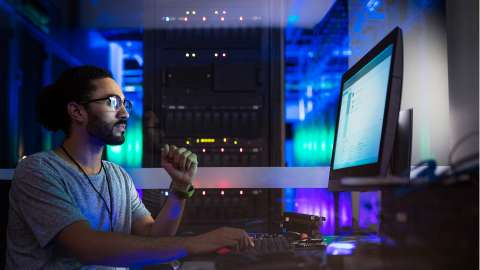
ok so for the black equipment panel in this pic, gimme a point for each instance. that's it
(219, 93)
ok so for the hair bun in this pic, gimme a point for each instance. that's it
(50, 107)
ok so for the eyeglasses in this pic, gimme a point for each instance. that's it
(114, 102)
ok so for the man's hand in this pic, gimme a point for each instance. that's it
(180, 163)
(224, 237)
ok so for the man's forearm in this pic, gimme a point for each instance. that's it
(168, 220)
(124, 250)
(118, 249)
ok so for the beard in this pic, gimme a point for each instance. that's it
(104, 131)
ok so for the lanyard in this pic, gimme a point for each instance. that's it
(107, 176)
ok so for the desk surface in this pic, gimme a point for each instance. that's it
(372, 252)
(432, 227)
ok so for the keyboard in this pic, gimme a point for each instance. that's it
(270, 252)
(270, 244)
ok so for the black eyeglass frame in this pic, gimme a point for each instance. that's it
(126, 103)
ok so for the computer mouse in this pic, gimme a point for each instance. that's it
(223, 251)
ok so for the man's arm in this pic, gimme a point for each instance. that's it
(181, 165)
(167, 221)
(116, 249)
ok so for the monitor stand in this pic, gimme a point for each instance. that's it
(402, 148)
(399, 171)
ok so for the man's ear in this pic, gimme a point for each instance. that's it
(77, 112)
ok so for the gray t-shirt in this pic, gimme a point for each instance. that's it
(48, 194)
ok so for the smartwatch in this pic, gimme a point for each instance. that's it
(182, 192)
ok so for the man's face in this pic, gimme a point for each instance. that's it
(105, 123)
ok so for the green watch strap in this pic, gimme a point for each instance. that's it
(190, 191)
(183, 193)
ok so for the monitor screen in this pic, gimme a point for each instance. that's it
(367, 113)
(361, 115)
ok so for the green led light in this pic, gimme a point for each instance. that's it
(312, 145)
(117, 149)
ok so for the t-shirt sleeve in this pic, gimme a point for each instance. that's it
(137, 207)
(41, 198)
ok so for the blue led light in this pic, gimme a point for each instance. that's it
(340, 248)
(372, 5)
(292, 19)
(139, 59)
(129, 88)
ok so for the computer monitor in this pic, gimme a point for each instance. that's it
(368, 112)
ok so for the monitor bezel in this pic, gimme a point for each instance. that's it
(391, 112)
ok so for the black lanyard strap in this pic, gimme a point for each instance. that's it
(107, 176)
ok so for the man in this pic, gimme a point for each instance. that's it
(69, 209)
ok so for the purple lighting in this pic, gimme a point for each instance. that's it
(319, 202)
(345, 209)
(369, 210)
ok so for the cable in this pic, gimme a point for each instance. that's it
(458, 169)
(429, 171)
(450, 176)
(458, 144)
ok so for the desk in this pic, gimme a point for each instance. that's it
(429, 227)
(368, 253)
